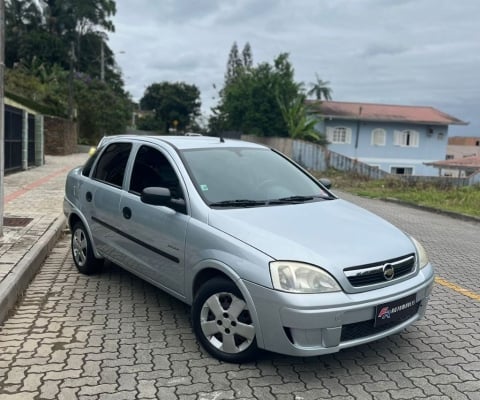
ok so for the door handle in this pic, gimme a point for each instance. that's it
(127, 213)
(88, 196)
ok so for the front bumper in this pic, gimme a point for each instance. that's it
(315, 324)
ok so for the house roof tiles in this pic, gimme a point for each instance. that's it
(383, 112)
(458, 163)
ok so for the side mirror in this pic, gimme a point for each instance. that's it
(156, 196)
(326, 182)
(160, 196)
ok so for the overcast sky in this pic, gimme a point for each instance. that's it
(408, 52)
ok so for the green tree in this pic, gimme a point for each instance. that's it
(92, 20)
(54, 46)
(247, 58)
(101, 111)
(89, 60)
(299, 124)
(172, 102)
(25, 34)
(234, 64)
(150, 123)
(320, 89)
(47, 29)
(91, 15)
(42, 84)
(249, 103)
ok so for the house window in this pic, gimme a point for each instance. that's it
(401, 170)
(378, 137)
(449, 157)
(407, 138)
(339, 135)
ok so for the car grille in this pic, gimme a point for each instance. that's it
(366, 328)
(370, 274)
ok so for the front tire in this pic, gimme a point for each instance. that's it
(82, 251)
(222, 322)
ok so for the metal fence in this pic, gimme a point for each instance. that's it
(31, 140)
(13, 138)
(318, 158)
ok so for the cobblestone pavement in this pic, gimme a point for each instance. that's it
(35, 194)
(33, 223)
(113, 336)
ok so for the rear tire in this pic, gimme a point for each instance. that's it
(82, 251)
(222, 322)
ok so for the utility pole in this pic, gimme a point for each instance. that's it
(2, 111)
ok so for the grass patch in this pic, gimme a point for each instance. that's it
(463, 200)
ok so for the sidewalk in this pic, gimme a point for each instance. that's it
(33, 222)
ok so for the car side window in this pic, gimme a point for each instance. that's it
(152, 169)
(112, 164)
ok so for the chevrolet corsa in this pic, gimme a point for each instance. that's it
(266, 255)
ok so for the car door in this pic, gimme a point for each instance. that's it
(103, 193)
(154, 236)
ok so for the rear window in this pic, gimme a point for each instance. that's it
(112, 164)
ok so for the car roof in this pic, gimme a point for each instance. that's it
(184, 142)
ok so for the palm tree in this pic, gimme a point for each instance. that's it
(320, 89)
(299, 124)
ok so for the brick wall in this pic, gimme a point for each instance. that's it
(60, 136)
(464, 141)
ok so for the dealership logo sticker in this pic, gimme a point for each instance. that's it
(398, 310)
(384, 313)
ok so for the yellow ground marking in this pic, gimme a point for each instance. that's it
(457, 288)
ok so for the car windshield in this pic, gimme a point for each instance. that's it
(246, 177)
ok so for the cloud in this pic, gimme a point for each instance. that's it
(383, 49)
(423, 52)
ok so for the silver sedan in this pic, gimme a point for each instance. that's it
(266, 255)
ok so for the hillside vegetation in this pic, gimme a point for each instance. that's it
(462, 200)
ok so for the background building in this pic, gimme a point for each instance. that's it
(396, 139)
(459, 147)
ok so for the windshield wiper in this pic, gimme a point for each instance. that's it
(238, 203)
(298, 199)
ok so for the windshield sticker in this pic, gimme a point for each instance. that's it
(204, 188)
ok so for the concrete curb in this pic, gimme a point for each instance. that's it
(14, 284)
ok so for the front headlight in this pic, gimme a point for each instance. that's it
(296, 277)
(422, 254)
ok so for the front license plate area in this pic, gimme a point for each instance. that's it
(397, 310)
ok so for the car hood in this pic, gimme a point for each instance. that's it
(333, 234)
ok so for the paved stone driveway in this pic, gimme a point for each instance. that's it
(112, 336)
